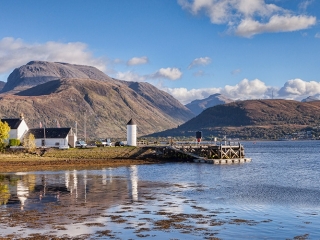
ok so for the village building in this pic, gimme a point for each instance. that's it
(53, 137)
(18, 127)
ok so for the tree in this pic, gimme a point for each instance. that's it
(29, 142)
(4, 133)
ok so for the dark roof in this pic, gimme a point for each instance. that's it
(50, 132)
(131, 122)
(12, 122)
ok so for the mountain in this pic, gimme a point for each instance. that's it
(2, 85)
(37, 72)
(311, 98)
(268, 119)
(48, 92)
(197, 106)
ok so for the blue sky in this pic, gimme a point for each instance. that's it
(244, 49)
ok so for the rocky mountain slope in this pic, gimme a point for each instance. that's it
(37, 72)
(197, 106)
(49, 92)
(2, 85)
(268, 119)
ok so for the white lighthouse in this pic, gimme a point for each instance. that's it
(131, 133)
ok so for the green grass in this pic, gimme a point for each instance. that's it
(92, 153)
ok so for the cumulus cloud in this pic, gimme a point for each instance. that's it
(250, 27)
(185, 96)
(15, 52)
(130, 76)
(138, 61)
(247, 18)
(162, 73)
(199, 61)
(246, 89)
(297, 88)
(168, 73)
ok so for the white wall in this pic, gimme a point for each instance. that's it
(22, 130)
(132, 135)
(19, 132)
(51, 142)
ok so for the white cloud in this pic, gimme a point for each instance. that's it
(305, 4)
(185, 96)
(130, 76)
(199, 73)
(138, 61)
(236, 71)
(199, 61)
(250, 27)
(168, 73)
(246, 90)
(249, 17)
(15, 53)
(162, 73)
(317, 35)
(297, 88)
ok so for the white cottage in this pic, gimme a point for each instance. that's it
(18, 127)
(53, 137)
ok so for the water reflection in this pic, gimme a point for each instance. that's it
(133, 182)
(22, 192)
(273, 195)
(29, 191)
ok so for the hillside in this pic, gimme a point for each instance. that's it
(197, 106)
(2, 85)
(104, 105)
(268, 119)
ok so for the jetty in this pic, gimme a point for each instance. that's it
(215, 153)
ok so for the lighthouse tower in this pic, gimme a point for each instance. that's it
(131, 133)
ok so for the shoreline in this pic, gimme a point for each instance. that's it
(54, 159)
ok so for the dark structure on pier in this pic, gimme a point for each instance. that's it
(212, 153)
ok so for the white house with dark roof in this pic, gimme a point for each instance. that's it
(53, 137)
(18, 127)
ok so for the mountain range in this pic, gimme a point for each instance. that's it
(197, 106)
(251, 119)
(60, 93)
(100, 106)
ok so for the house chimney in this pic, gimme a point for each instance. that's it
(21, 116)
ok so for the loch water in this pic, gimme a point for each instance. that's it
(275, 196)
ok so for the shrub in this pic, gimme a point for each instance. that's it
(14, 142)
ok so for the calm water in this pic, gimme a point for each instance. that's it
(276, 196)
